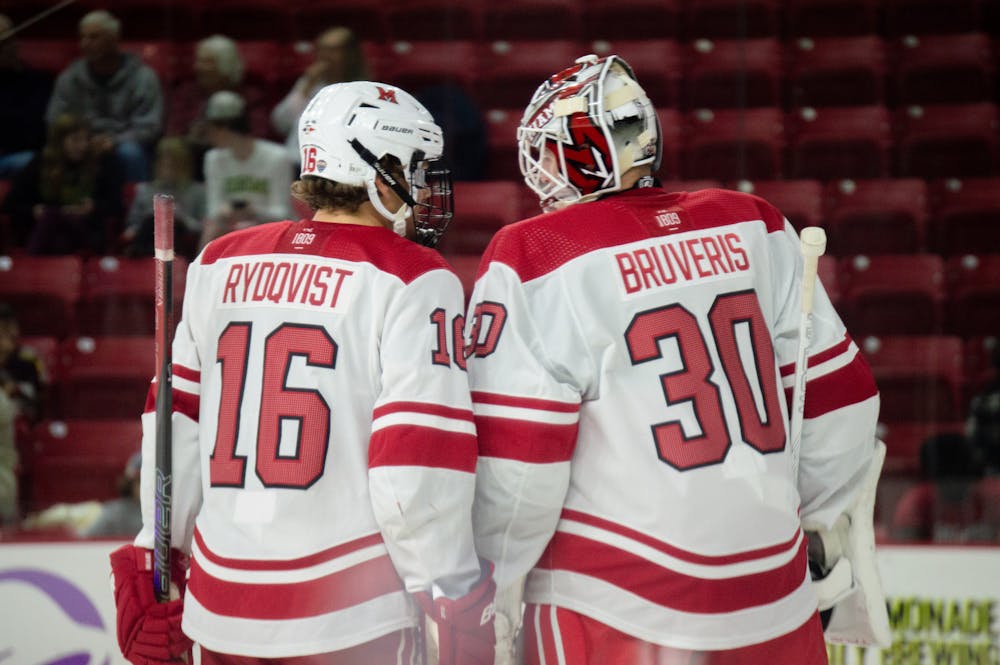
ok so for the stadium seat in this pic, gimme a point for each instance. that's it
(980, 369)
(921, 17)
(466, 266)
(434, 20)
(919, 377)
(973, 289)
(839, 142)
(155, 20)
(161, 56)
(43, 290)
(837, 71)
(104, 377)
(117, 296)
(246, 19)
(829, 276)
(893, 294)
(512, 71)
(672, 127)
(656, 62)
(882, 216)
(365, 18)
(501, 141)
(831, 18)
(903, 441)
(418, 65)
(800, 201)
(690, 185)
(481, 208)
(78, 460)
(965, 215)
(518, 20)
(943, 69)
(48, 55)
(732, 19)
(733, 144)
(733, 73)
(263, 60)
(947, 140)
(632, 19)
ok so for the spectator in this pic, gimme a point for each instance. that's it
(115, 91)
(21, 377)
(218, 65)
(62, 200)
(338, 58)
(247, 180)
(983, 424)
(173, 174)
(22, 125)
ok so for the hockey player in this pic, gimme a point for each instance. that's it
(630, 352)
(323, 440)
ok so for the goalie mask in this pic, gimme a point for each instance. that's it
(584, 128)
(348, 127)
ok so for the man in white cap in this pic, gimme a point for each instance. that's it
(323, 443)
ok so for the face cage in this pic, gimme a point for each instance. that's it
(536, 148)
(433, 200)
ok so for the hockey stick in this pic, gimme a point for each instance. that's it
(813, 245)
(163, 224)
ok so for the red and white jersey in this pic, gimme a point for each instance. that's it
(324, 448)
(629, 372)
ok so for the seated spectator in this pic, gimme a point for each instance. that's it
(949, 506)
(218, 65)
(337, 58)
(22, 124)
(64, 198)
(247, 180)
(22, 379)
(118, 94)
(173, 174)
(983, 424)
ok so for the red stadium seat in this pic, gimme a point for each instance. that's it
(800, 201)
(78, 460)
(481, 208)
(365, 18)
(246, 19)
(831, 18)
(161, 56)
(732, 19)
(656, 62)
(921, 17)
(672, 127)
(943, 69)
(48, 55)
(465, 266)
(534, 20)
(965, 215)
(263, 60)
(43, 290)
(903, 441)
(632, 19)
(837, 71)
(434, 20)
(947, 140)
(893, 294)
(919, 377)
(512, 71)
(829, 276)
(104, 377)
(418, 65)
(734, 144)
(839, 142)
(118, 296)
(980, 370)
(973, 283)
(501, 140)
(690, 185)
(883, 216)
(154, 20)
(733, 73)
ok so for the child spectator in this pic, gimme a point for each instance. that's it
(63, 199)
(173, 174)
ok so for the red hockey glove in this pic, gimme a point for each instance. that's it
(148, 632)
(465, 625)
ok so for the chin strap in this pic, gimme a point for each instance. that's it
(399, 217)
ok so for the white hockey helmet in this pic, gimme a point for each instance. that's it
(348, 127)
(583, 129)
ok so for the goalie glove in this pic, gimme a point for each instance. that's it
(149, 633)
(464, 625)
(845, 572)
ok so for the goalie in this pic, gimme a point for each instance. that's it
(630, 352)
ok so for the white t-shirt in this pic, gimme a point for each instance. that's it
(263, 181)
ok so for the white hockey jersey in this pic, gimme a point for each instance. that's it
(323, 441)
(631, 361)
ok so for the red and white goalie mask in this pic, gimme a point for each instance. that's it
(584, 128)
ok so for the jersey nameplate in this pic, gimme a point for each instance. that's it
(299, 283)
(664, 262)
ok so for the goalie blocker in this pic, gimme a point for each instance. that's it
(845, 572)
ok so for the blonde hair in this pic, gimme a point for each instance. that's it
(227, 56)
(177, 149)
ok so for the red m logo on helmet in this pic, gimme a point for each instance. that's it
(386, 95)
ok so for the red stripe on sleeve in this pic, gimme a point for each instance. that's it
(525, 440)
(479, 397)
(423, 407)
(670, 588)
(184, 402)
(821, 357)
(412, 445)
(295, 600)
(849, 385)
(187, 373)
